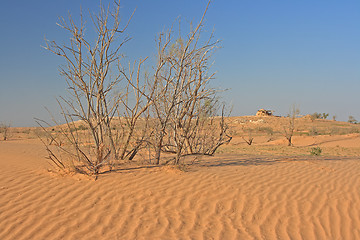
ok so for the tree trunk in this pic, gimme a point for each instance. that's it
(289, 141)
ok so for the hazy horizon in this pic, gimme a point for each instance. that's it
(273, 54)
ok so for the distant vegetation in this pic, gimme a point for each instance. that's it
(319, 116)
(352, 120)
(247, 135)
(316, 151)
(289, 129)
(5, 131)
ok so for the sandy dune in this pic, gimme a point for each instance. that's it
(225, 197)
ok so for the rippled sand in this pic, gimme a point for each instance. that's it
(225, 197)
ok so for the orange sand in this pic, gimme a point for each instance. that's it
(224, 197)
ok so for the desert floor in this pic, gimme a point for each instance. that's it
(263, 191)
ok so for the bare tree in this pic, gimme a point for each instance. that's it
(208, 131)
(247, 135)
(92, 87)
(183, 94)
(288, 130)
(143, 96)
(5, 131)
(122, 110)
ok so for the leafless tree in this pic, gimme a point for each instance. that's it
(183, 94)
(5, 130)
(121, 109)
(136, 114)
(247, 135)
(208, 131)
(95, 96)
(288, 130)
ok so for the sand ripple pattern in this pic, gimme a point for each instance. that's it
(232, 197)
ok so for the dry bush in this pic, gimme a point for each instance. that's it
(94, 99)
(288, 130)
(247, 135)
(174, 110)
(313, 131)
(185, 106)
(5, 131)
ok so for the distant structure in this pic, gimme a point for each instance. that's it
(263, 112)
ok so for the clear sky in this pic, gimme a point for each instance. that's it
(274, 52)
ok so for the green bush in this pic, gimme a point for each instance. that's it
(315, 115)
(325, 115)
(319, 116)
(316, 151)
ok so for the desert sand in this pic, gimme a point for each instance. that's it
(245, 192)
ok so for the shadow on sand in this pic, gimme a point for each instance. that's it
(252, 160)
(224, 161)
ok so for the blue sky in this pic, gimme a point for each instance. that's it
(274, 52)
